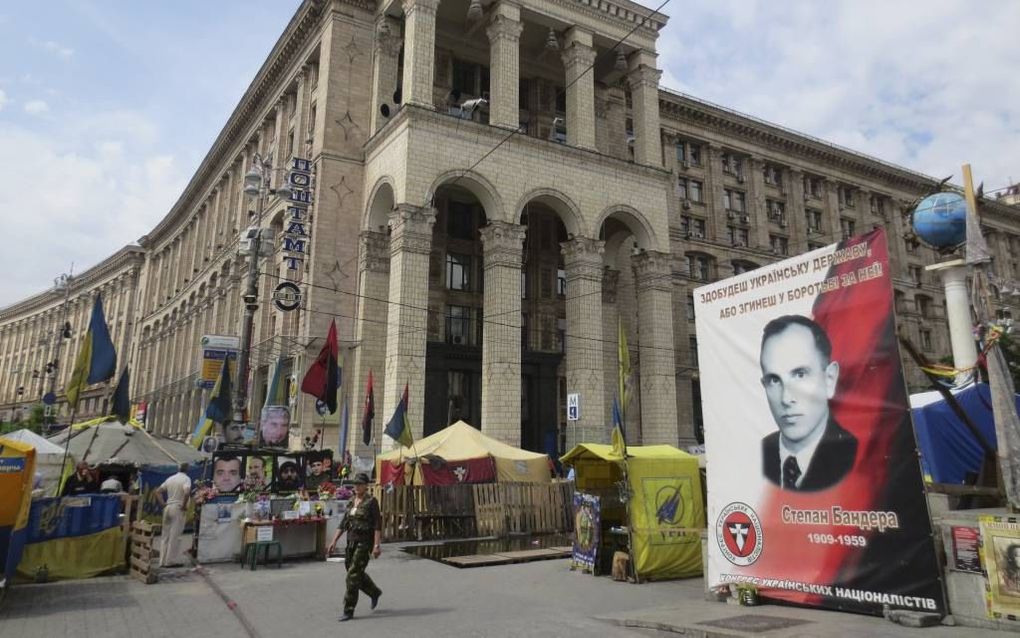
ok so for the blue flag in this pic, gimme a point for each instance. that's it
(122, 398)
(344, 424)
(97, 359)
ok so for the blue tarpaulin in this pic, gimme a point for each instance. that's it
(949, 451)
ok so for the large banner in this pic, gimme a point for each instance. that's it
(1000, 555)
(814, 487)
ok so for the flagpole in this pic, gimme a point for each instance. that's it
(67, 449)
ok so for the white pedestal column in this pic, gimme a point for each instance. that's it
(961, 325)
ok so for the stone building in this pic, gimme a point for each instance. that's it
(40, 336)
(485, 254)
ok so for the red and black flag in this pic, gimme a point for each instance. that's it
(369, 413)
(323, 377)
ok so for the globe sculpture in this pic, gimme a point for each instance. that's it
(940, 220)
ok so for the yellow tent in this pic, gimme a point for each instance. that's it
(460, 450)
(664, 513)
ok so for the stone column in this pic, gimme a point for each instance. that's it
(758, 234)
(583, 260)
(616, 123)
(385, 56)
(578, 56)
(654, 279)
(830, 198)
(370, 334)
(505, 39)
(501, 343)
(407, 315)
(419, 51)
(714, 186)
(644, 90)
(796, 214)
(610, 351)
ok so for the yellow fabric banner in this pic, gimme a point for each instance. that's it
(76, 556)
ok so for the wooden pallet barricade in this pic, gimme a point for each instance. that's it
(438, 512)
(142, 560)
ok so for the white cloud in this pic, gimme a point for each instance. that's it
(90, 198)
(36, 107)
(53, 47)
(928, 89)
(3, 99)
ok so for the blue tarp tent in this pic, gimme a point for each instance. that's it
(948, 449)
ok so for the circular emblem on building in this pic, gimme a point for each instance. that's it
(287, 296)
(738, 532)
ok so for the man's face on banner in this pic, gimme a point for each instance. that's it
(798, 382)
(257, 468)
(316, 468)
(227, 474)
(275, 426)
(233, 433)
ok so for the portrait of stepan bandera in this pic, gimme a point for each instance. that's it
(809, 451)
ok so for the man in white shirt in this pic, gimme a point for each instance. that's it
(173, 494)
(111, 486)
(810, 451)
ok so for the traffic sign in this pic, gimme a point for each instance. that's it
(573, 406)
(49, 398)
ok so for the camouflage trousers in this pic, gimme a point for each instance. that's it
(355, 561)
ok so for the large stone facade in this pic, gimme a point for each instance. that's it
(487, 254)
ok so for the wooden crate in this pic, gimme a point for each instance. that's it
(141, 560)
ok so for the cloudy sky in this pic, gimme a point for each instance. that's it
(106, 108)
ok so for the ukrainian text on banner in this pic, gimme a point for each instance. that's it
(1000, 557)
(815, 492)
(587, 526)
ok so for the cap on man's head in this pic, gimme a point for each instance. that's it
(361, 478)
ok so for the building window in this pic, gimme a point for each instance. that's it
(472, 80)
(740, 267)
(847, 227)
(524, 284)
(780, 245)
(692, 352)
(847, 197)
(776, 211)
(690, 307)
(812, 186)
(812, 245)
(458, 325)
(926, 340)
(878, 206)
(700, 267)
(561, 282)
(732, 165)
(692, 226)
(460, 221)
(923, 305)
(546, 283)
(916, 276)
(814, 220)
(458, 272)
(734, 200)
(688, 154)
(689, 189)
(738, 236)
(773, 175)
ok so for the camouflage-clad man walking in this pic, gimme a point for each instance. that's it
(363, 524)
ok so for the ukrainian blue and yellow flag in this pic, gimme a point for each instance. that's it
(17, 471)
(398, 428)
(218, 410)
(97, 359)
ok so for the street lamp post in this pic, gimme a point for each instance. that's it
(257, 185)
(64, 282)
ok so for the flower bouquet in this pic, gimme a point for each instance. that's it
(204, 492)
(251, 489)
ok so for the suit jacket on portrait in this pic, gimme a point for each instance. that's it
(832, 459)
